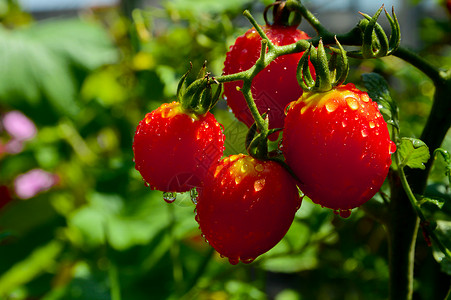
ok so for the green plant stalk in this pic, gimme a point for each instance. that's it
(413, 201)
(405, 215)
(114, 281)
(402, 229)
(200, 271)
(177, 271)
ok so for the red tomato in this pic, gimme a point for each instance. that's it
(338, 145)
(275, 86)
(174, 149)
(246, 206)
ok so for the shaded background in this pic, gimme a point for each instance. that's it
(77, 222)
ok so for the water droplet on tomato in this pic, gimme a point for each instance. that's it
(344, 124)
(391, 148)
(259, 168)
(259, 184)
(372, 125)
(169, 197)
(331, 106)
(238, 179)
(194, 195)
(248, 260)
(364, 132)
(365, 98)
(245, 168)
(352, 103)
(303, 109)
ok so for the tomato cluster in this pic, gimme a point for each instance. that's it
(335, 144)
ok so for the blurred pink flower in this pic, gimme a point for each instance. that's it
(29, 184)
(18, 126)
(13, 146)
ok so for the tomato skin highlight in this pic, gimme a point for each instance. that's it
(246, 206)
(275, 86)
(173, 150)
(338, 145)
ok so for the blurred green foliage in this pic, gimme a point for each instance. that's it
(100, 233)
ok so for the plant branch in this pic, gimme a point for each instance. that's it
(308, 15)
(413, 201)
(420, 63)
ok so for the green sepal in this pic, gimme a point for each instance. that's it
(303, 75)
(321, 64)
(257, 142)
(395, 37)
(250, 135)
(339, 64)
(202, 71)
(281, 14)
(198, 97)
(375, 42)
(329, 73)
(181, 84)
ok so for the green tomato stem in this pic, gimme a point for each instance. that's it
(419, 212)
(308, 15)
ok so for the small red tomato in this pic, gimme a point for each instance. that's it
(246, 206)
(338, 145)
(174, 149)
(275, 86)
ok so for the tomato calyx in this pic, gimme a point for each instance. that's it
(282, 14)
(375, 42)
(198, 97)
(329, 73)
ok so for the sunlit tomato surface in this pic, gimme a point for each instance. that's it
(275, 86)
(174, 149)
(338, 145)
(246, 206)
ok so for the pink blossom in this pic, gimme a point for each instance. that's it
(18, 126)
(29, 184)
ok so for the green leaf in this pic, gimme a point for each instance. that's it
(39, 261)
(443, 232)
(213, 7)
(38, 64)
(378, 91)
(83, 44)
(434, 201)
(414, 153)
(306, 260)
